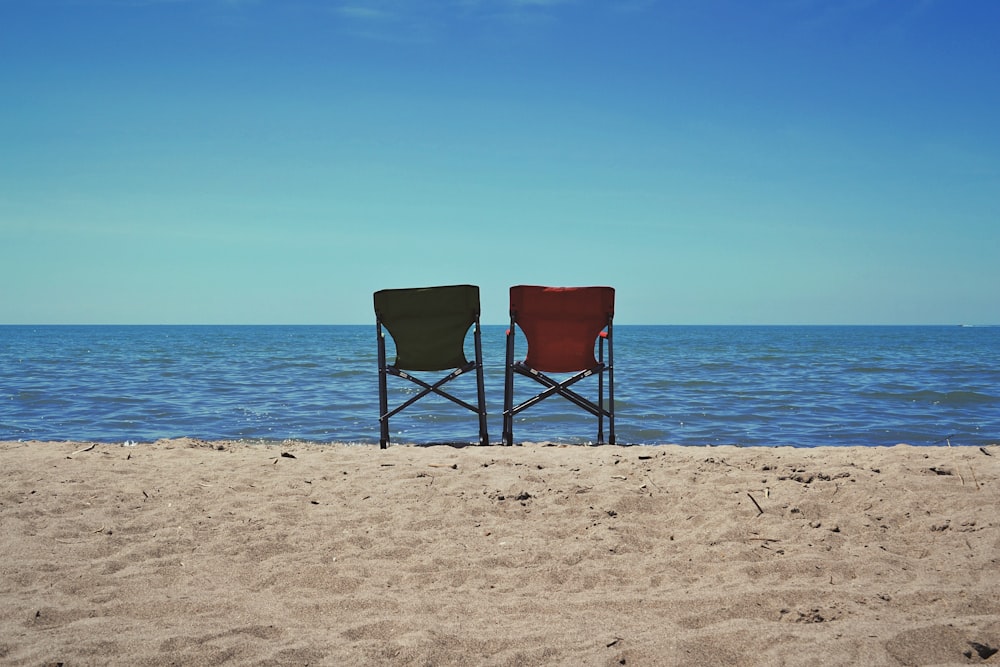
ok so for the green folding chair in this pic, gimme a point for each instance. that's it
(428, 326)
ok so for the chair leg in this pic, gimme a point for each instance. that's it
(508, 389)
(383, 392)
(383, 440)
(611, 384)
(484, 436)
(600, 395)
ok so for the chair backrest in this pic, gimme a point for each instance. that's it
(561, 324)
(428, 324)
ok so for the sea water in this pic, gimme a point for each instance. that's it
(693, 385)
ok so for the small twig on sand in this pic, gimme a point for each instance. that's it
(760, 510)
(85, 449)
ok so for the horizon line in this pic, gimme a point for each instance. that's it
(493, 324)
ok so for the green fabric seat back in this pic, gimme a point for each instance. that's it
(428, 324)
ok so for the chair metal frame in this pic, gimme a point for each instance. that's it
(555, 387)
(385, 370)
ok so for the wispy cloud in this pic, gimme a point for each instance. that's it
(377, 10)
(536, 3)
(389, 20)
(513, 12)
(362, 13)
(410, 20)
(153, 3)
(382, 9)
(429, 20)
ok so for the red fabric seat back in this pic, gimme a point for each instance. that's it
(561, 324)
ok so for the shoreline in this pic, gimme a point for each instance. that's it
(285, 442)
(190, 551)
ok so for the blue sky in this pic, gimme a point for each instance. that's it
(717, 161)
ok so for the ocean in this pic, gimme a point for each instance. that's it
(802, 386)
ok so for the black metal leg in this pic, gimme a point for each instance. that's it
(600, 394)
(484, 436)
(383, 394)
(611, 384)
(508, 389)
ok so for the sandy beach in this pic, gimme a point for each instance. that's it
(184, 552)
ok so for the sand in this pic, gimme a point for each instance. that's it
(184, 552)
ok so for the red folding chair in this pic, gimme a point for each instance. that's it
(562, 326)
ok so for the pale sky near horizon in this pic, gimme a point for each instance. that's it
(716, 161)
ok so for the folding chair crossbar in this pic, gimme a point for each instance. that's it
(428, 388)
(560, 388)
